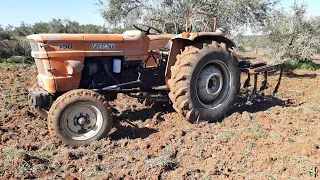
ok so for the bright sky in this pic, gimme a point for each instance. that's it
(31, 11)
(84, 11)
(313, 6)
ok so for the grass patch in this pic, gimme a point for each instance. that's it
(5, 64)
(165, 161)
(312, 173)
(257, 131)
(267, 56)
(15, 61)
(296, 64)
(274, 136)
(227, 134)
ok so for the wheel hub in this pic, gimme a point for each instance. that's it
(82, 121)
(210, 83)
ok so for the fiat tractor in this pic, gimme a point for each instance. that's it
(77, 74)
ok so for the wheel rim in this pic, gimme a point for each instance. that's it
(213, 84)
(82, 121)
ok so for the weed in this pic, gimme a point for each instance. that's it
(10, 155)
(10, 104)
(312, 173)
(162, 162)
(245, 153)
(40, 168)
(200, 154)
(5, 64)
(314, 106)
(77, 153)
(270, 177)
(227, 134)
(165, 161)
(317, 146)
(257, 131)
(250, 145)
(274, 135)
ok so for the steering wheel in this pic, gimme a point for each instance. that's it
(148, 30)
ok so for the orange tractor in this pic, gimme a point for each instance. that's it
(77, 73)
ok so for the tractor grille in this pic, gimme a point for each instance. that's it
(40, 66)
(34, 45)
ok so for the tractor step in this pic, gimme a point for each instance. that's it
(260, 68)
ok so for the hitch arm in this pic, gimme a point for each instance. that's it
(279, 81)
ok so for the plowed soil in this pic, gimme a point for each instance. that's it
(273, 137)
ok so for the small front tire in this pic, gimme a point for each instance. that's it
(79, 117)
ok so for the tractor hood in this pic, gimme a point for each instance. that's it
(46, 38)
(133, 45)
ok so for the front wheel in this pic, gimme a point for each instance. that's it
(204, 82)
(79, 117)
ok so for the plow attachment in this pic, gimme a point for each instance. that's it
(256, 69)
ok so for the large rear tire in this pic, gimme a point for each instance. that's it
(79, 117)
(204, 83)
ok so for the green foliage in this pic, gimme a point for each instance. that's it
(14, 43)
(298, 64)
(255, 41)
(16, 47)
(241, 48)
(293, 35)
(17, 59)
(4, 64)
(55, 26)
(267, 56)
(5, 33)
(231, 14)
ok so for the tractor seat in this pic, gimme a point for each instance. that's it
(132, 35)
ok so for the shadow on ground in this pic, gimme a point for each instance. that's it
(307, 76)
(144, 114)
(260, 103)
(126, 128)
(131, 131)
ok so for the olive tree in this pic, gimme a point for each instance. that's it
(293, 35)
(231, 14)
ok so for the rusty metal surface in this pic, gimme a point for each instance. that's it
(259, 69)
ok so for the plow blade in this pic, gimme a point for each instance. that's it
(256, 69)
